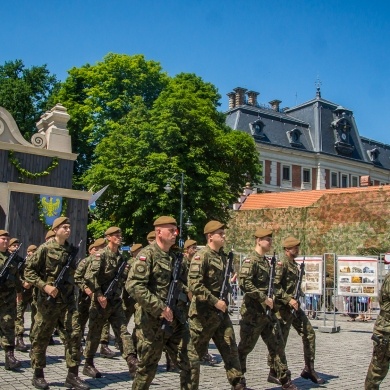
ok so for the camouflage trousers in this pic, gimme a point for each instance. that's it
(151, 342)
(49, 315)
(303, 327)
(207, 325)
(7, 318)
(21, 307)
(113, 314)
(83, 306)
(254, 324)
(379, 365)
(128, 306)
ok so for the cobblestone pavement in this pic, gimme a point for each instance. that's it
(342, 359)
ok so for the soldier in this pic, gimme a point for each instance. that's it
(380, 360)
(208, 313)
(84, 300)
(254, 280)
(42, 271)
(286, 279)
(148, 282)
(27, 298)
(10, 290)
(102, 270)
(151, 237)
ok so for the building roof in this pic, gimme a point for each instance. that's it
(297, 198)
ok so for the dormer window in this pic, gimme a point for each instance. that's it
(294, 136)
(373, 154)
(342, 129)
(257, 128)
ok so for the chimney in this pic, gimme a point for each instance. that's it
(232, 100)
(275, 104)
(240, 96)
(252, 98)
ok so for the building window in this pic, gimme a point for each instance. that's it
(334, 179)
(286, 172)
(257, 128)
(294, 137)
(354, 181)
(306, 175)
(344, 181)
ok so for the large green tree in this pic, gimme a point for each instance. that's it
(25, 92)
(98, 96)
(183, 132)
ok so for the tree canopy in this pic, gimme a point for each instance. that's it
(25, 92)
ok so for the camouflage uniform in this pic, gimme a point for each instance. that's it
(102, 270)
(254, 281)
(148, 282)
(205, 280)
(42, 269)
(286, 279)
(84, 301)
(380, 361)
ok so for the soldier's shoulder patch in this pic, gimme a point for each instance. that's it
(142, 258)
(279, 263)
(197, 257)
(195, 267)
(140, 269)
(247, 260)
(98, 255)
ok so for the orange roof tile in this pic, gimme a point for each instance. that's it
(297, 198)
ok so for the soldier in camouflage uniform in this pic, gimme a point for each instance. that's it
(380, 360)
(10, 288)
(208, 315)
(254, 278)
(42, 271)
(148, 282)
(84, 299)
(102, 270)
(27, 298)
(286, 279)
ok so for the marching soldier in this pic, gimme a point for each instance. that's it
(379, 365)
(102, 270)
(27, 298)
(10, 289)
(254, 280)
(84, 301)
(148, 282)
(208, 313)
(286, 279)
(42, 271)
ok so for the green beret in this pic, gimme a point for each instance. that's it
(50, 234)
(135, 247)
(112, 230)
(31, 248)
(13, 241)
(151, 236)
(189, 243)
(212, 226)
(60, 221)
(4, 233)
(290, 242)
(260, 233)
(164, 220)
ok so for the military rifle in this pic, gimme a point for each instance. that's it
(174, 293)
(59, 282)
(297, 291)
(225, 289)
(114, 282)
(4, 273)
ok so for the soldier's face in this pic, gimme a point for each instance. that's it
(265, 243)
(115, 239)
(4, 241)
(218, 238)
(293, 252)
(192, 250)
(167, 233)
(63, 231)
(13, 247)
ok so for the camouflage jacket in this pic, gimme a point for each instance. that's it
(102, 270)
(286, 279)
(254, 279)
(206, 276)
(382, 324)
(45, 265)
(80, 273)
(13, 282)
(150, 277)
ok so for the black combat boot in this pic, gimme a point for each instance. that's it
(309, 373)
(288, 385)
(132, 363)
(73, 381)
(11, 363)
(106, 352)
(209, 358)
(273, 377)
(20, 345)
(38, 380)
(240, 385)
(171, 366)
(90, 369)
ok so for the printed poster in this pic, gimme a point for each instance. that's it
(312, 279)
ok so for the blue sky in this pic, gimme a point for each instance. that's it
(277, 48)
